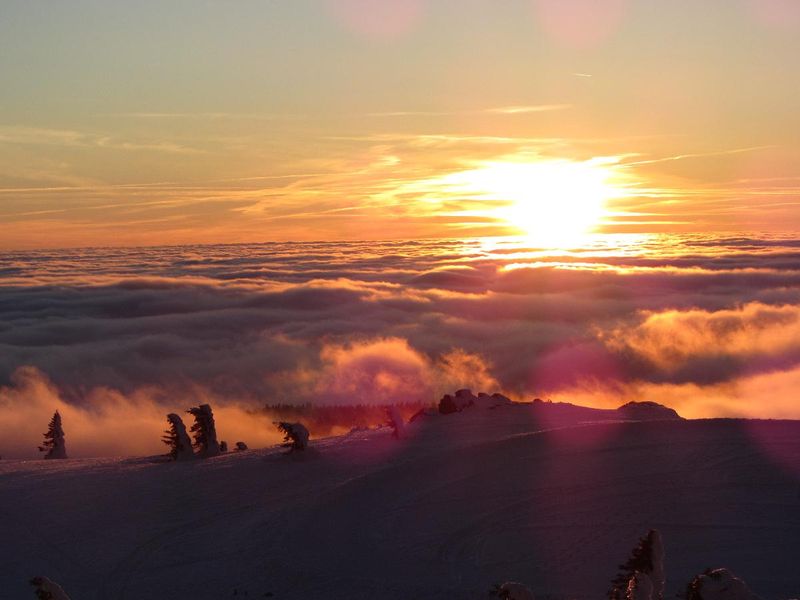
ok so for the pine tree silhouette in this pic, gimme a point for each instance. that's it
(54, 444)
(204, 430)
(176, 438)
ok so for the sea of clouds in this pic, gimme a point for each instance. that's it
(115, 338)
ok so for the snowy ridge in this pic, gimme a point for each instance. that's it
(462, 503)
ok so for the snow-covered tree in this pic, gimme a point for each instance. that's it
(396, 422)
(640, 587)
(223, 446)
(452, 404)
(204, 431)
(644, 570)
(295, 435)
(48, 590)
(241, 446)
(54, 444)
(180, 446)
(718, 584)
(512, 590)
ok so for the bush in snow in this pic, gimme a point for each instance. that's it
(176, 438)
(54, 444)
(241, 446)
(511, 590)
(642, 576)
(718, 584)
(396, 422)
(295, 435)
(48, 590)
(223, 446)
(204, 430)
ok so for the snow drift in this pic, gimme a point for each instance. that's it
(463, 502)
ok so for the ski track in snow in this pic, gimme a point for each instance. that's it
(467, 501)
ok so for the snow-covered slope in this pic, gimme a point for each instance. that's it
(464, 502)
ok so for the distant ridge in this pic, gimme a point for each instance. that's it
(464, 399)
(631, 411)
(647, 411)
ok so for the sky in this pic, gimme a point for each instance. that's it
(185, 122)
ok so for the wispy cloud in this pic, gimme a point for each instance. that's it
(711, 153)
(208, 116)
(501, 110)
(535, 108)
(71, 138)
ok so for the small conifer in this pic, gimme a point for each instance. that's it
(54, 444)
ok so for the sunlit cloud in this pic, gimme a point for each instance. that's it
(101, 424)
(417, 184)
(671, 339)
(769, 395)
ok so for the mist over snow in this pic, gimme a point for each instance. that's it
(116, 338)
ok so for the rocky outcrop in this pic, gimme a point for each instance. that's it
(492, 401)
(647, 411)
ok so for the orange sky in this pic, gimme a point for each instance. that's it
(348, 119)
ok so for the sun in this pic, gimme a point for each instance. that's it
(555, 202)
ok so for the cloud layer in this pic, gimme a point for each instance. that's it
(692, 321)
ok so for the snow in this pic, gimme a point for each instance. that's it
(522, 493)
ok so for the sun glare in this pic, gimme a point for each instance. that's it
(554, 202)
